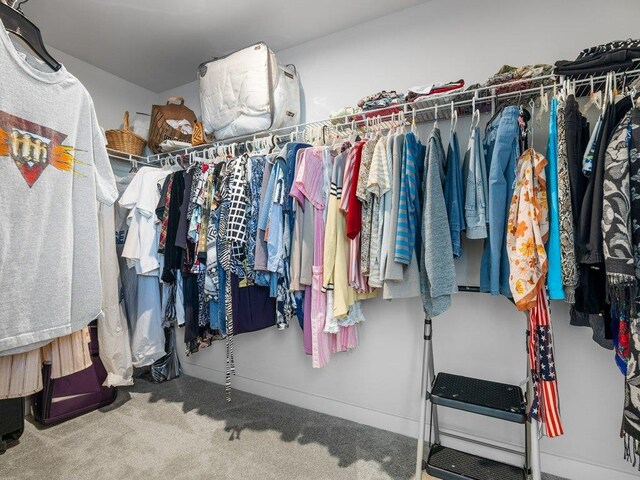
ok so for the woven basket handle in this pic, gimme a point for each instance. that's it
(125, 122)
(178, 100)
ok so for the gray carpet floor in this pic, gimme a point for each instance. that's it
(184, 429)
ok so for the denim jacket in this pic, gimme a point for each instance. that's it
(476, 188)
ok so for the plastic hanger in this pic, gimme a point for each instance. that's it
(475, 113)
(352, 132)
(414, 128)
(544, 105)
(608, 90)
(134, 166)
(595, 98)
(15, 22)
(454, 118)
(435, 123)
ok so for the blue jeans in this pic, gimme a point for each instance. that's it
(504, 152)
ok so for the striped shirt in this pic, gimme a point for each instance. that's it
(409, 209)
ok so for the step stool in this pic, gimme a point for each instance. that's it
(497, 400)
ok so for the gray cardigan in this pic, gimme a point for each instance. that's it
(437, 271)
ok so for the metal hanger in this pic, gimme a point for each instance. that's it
(15, 22)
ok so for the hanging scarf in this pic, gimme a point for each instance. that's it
(528, 230)
(224, 250)
(616, 218)
(569, 263)
(545, 404)
(631, 419)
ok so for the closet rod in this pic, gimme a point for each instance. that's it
(441, 102)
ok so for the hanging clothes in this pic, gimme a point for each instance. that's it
(554, 276)
(476, 191)
(408, 210)
(113, 331)
(527, 233)
(128, 276)
(590, 231)
(351, 205)
(309, 182)
(591, 295)
(393, 271)
(402, 279)
(501, 144)
(300, 283)
(577, 146)
(378, 185)
(631, 425)
(569, 264)
(453, 194)
(621, 242)
(141, 252)
(576, 137)
(336, 245)
(437, 271)
(366, 200)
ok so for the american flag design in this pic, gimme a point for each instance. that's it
(545, 405)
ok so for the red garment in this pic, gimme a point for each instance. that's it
(360, 118)
(435, 91)
(354, 209)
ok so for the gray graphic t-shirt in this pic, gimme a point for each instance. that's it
(55, 169)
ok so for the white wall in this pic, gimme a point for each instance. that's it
(111, 95)
(378, 383)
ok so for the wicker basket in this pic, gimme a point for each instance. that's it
(125, 140)
(160, 130)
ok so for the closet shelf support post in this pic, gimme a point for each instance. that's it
(427, 359)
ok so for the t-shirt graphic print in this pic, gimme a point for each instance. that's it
(33, 147)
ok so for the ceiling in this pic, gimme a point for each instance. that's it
(158, 44)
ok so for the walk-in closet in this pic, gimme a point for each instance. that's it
(348, 240)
